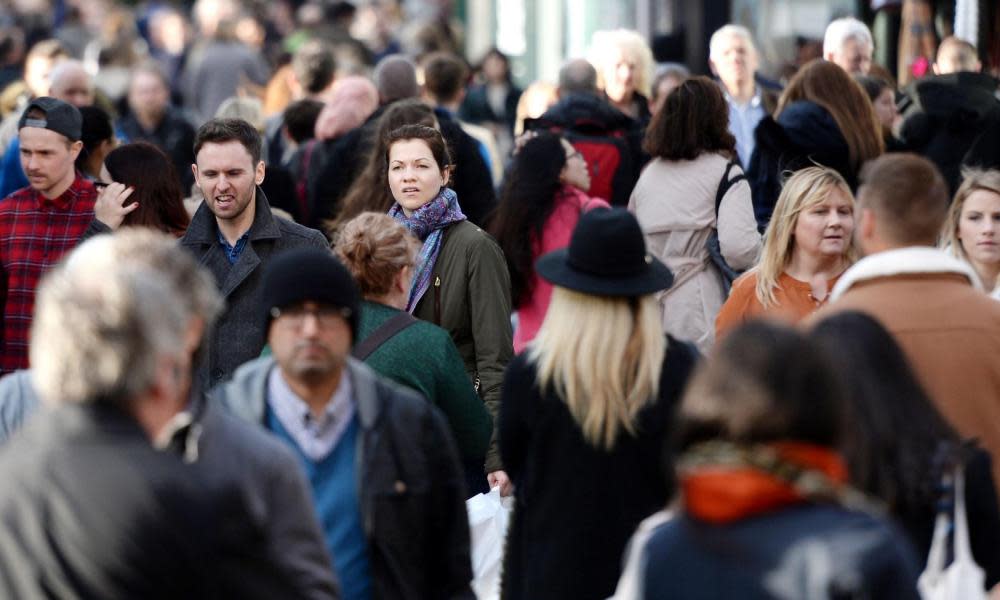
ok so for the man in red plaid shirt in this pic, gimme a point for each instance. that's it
(40, 223)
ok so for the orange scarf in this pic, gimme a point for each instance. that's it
(723, 483)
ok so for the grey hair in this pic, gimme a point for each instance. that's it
(102, 325)
(67, 67)
(577, 75)
(841, 30)
(727, 30)
(396, 79)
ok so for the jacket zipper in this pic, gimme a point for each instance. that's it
(437, 300)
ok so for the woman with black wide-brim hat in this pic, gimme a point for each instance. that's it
(585, 411)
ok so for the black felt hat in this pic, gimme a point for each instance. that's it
(309, 275)
(606, 257)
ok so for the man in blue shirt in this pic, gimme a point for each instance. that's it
(383, 467)
(733, 58)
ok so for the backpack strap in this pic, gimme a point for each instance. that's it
(727, 183)
(385, 332)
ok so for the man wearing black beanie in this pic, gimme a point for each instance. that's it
(383, 466)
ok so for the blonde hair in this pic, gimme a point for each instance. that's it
(804, 189)
(972, 180)
(630, 43)
(613, 368)
(375, 247)
(534, 101)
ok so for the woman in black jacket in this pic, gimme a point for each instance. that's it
(824, 117)
(581, 430)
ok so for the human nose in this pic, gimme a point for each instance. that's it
(223, 182)
(310, 323)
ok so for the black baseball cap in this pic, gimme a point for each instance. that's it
(60, 117)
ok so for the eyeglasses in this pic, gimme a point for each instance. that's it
(326, 316)
(574, 154)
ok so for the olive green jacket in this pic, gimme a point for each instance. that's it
(469, 297)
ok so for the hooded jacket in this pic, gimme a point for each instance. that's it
(803, 134)
(410, 485)
(945, 115)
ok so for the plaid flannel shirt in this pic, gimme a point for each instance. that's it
(34, 234)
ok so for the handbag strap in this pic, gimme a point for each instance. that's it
(724, 185)
(385, 332)
(962, 548)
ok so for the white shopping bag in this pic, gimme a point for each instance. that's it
(963, 579)
(488, 517)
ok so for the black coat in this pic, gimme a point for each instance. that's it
(174, 135)
(800, 552)
(476, 107)
(90, 510)
(802, 135)
(578, 505)
(944, 117)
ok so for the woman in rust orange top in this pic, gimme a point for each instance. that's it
(806, 247)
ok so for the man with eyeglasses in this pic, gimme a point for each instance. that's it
(384, 469)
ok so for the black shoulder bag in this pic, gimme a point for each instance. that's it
(728, 273)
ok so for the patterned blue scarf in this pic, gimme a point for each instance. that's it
(428, 223)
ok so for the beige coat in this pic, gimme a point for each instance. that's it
(948, 329)
(674, 202)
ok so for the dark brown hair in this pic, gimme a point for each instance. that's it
(764, 382)
(694, 119)
(908, 196)
(444, 75)
(146, 168)
(220, 131)
(432, 137)
(829, 86)
(370, 190)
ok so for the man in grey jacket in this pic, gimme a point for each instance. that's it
(230, 453)
(234, 235)
(383, 466)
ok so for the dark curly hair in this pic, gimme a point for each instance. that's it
(694, 119)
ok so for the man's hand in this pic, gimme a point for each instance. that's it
(110, 207)
(499, 478)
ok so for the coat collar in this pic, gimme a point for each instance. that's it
(903, 261)
(203, 228)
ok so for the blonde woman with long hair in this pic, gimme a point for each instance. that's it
(807, 246)
(972, 231)
(585, 412)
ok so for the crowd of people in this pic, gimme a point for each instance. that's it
(277, 302)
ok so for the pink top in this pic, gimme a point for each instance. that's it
(569, 205)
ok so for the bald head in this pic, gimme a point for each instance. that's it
(353, 100)
(71, 83)
(577, 76)
(955, 55)
(396, 79)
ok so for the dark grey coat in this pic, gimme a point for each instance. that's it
(239, 334)
(409, 482)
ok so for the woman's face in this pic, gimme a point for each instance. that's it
(979, 227)
(575, 171)
(824, 230)
(414, 175)
(885, 107)
(619, 75)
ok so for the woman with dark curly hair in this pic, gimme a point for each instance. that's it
(541, 201)
(694, 186)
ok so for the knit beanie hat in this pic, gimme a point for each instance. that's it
(309, 275)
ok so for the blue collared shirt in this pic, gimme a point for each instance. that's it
(743, 120)
(233, 252)
(315, 436)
